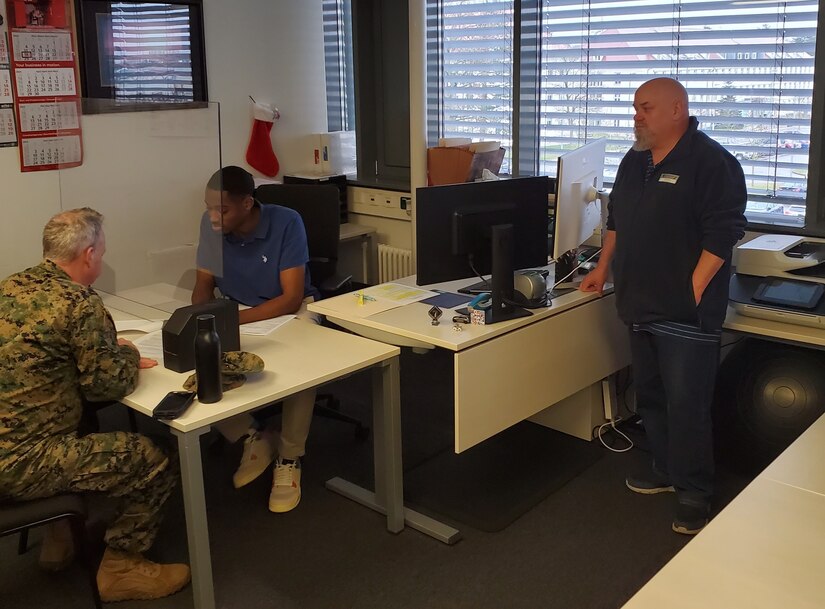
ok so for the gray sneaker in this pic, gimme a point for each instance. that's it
(649, 484)
(690, 519)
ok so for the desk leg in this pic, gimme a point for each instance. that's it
(386, 429)
(197, 531)
(388, 497)
(372, 242)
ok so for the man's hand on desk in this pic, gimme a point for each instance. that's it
(144, 362)
(594, 281)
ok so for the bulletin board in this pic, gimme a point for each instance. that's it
(44, 77)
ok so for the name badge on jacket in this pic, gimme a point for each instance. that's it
(669, 178)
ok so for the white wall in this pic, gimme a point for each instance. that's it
(272, 50)
(145, 171)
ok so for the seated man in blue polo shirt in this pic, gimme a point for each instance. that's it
(264, 266)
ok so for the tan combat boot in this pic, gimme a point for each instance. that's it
(124, 576)
(57, 550)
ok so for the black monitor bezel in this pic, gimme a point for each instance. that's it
(435, 210)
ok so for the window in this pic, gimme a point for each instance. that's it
(338, 62)
(470, 58)
(748, 66)
(142, 51)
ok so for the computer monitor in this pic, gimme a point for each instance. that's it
(579, 211)
(454, 226)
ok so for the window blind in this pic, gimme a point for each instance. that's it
(149, 52)
(338, 64)
(470, 57)
(748, 66)
(546, 76)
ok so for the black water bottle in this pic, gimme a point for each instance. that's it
(208, 360)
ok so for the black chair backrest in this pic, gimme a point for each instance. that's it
(319, 206)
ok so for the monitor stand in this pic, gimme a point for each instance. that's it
(502, 280)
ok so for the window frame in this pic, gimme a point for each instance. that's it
(98, 99)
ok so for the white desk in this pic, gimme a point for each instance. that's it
(509, 371)
(298, 356)
(764, 550)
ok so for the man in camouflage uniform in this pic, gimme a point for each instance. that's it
(58, 347)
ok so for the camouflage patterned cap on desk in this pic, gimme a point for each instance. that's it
(235, 366)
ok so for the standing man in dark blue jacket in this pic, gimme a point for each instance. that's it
(676, 211)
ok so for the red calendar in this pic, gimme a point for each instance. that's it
(44, 79)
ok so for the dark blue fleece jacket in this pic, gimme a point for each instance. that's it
(694, 201)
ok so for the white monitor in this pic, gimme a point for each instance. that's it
(579, 209)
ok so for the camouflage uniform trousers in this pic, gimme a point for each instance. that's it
(128, 466)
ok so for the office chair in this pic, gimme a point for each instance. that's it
(20, 516)
(319, 207)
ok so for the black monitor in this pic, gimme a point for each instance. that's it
(454, 226)
(179, 332)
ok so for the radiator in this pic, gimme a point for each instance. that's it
(393, 262)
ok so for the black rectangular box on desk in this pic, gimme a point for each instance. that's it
(179, 332)
(340, 181)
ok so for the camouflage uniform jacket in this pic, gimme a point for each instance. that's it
(58, 345)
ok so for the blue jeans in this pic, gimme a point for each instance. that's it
(674, 379)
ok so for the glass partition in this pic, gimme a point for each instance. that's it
(146, 173)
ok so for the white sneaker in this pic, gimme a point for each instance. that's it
(286, 486)
(258, 453)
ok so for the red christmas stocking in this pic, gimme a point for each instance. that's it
(259, 153)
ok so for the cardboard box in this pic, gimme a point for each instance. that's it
(455, 165)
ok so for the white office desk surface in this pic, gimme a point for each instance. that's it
(765, 550)
(297, 356)
(353, 231)
(412, 322)
(162, 296)
(509, 371)
(802, 464)
(785, 332)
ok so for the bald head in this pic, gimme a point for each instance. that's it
(661, 117)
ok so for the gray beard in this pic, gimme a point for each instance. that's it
(640, 142)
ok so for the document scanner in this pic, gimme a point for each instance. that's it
(779, 277)
(179, 332)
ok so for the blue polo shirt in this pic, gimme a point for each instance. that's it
(250, 272)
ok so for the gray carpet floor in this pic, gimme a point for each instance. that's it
(590, 544)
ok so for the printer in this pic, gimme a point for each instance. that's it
(781, 278)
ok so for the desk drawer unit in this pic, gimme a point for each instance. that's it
(504, 381)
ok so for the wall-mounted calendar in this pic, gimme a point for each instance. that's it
(8, 129)
(43, 78)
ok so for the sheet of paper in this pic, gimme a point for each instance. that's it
(137, 325)
(397, 293)
(266, 326)
(348, 304)
(151, 345)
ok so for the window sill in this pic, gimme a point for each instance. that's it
(111, 106)
(379, 183)
(811, 229)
